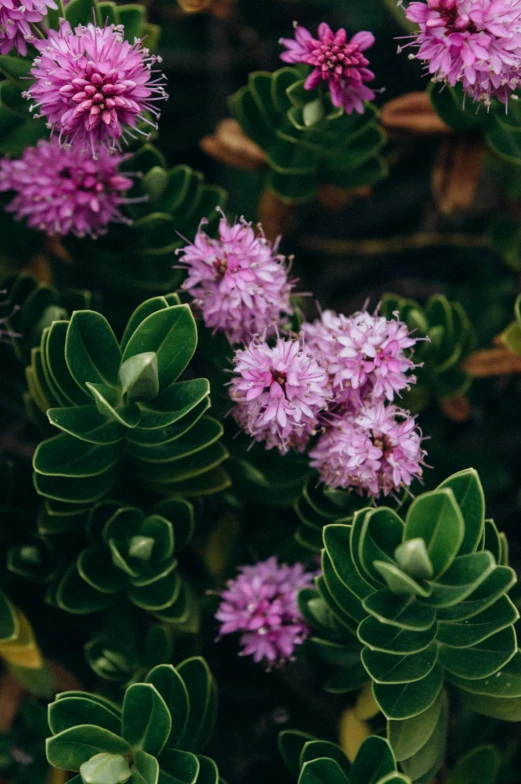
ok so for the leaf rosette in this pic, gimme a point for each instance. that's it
(121, 407)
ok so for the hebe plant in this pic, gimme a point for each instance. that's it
(198, 473)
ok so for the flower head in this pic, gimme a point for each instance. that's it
(93, 86)
(238, 280)
(378, 450)
(62, 191)
(16, 17)
(262, 604)
(279, 393)
(475, 42)
(364, 354)
(337, 61)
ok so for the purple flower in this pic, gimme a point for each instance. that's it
(65, 191)
(262, 604)
(16, 17)
(279, 393)
(93, 86)
(378, 450)
(336, 61)
(364, 355)
(475, 42)
(239, 281)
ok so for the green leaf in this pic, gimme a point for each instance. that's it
(146, 719)
(374, 760)
(413, 559)
(404, 701)
(91, 349)
(172, 335)
(291, 744)
(391, 639)
(481, 626)
(398, 582)
(145, 769)
(496, 582)
(483, 659)
(480, 764)
(87, 424)
(337, 541)
(82, 12)
(66, 456)
(172, 688)
(202, 700)
(71, 748)
(430, 757)
(375, 535)
(406, 612)
(179, 767)
(408, 737)
(391, 668)
(322, 771)
(146, 308)
(133, 18)
(505, 683)
(139, 377)
(436, 518)
(315, 749)
(462, 579)
(72, 711)
(15, 69)
(503, 709)
(449, 104)
(469, 496)
(105, 769)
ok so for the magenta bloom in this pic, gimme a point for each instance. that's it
(378, 450)
(262, 604)
(16, 17)
(365, 355)
(336, 61)
(65, 191)
(474, 42)
(93, 86)
(279, 393)
(239, 281)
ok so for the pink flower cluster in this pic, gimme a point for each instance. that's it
(368, 444)
(338, 380)
(279, 393)
(16, 17)
(474, 42)
(239, 281)
(336, 61)
(261, 603)
(93, 86)
(65, 191)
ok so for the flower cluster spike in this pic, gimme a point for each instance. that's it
(261, 603)
(336, 61)
(238, 280)
(131, 554)
(93, 87)
(120, 407)
(278, 392)
(16, 17)
(473, 42)
(160, 729)
(427, 598)
(64, 191)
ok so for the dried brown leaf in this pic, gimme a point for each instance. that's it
(492, 362)
(230, 145)
(456, 173)
(412, 114)
(457, 409)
